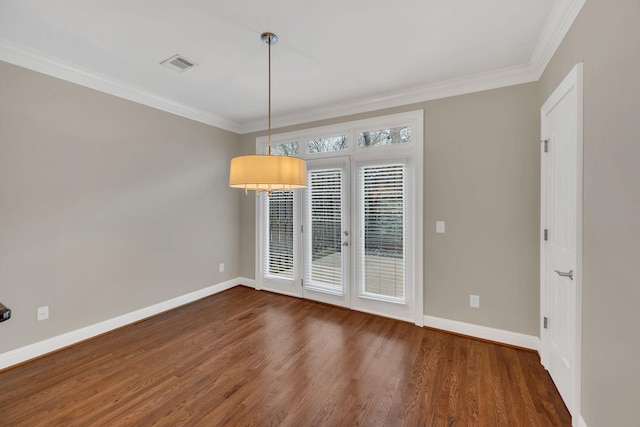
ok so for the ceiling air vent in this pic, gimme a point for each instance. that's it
(178, 63)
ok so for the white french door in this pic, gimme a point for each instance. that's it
(326, 232)
(384, 238)
(375, 208)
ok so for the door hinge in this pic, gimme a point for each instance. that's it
(302, 282)
(546, 145)
(546, 322)
(546, 234)
(302, 228)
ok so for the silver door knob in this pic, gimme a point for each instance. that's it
(569, 274)
(345, 243)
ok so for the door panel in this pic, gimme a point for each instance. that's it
(560, 267)
(381, 239)
(326, 232)
(383, 236)
(279, 243)
(561, 245)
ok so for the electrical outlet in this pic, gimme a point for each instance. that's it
(440, 227)
(43, 313)
(474, 301)
(221, 267)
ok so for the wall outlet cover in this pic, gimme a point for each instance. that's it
(474, 301)
(43, 312)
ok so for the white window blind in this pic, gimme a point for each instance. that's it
(381, 246)
(278, 248)
(324, 265)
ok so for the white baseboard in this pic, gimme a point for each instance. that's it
(581, 422)
(477, 331)
(41, 348)
(243, 281)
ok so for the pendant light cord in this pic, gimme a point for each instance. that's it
(269, 120)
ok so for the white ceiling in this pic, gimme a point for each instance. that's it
(333, 57)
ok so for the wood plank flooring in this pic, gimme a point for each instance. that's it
(251, 358)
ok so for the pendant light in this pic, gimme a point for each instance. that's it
(266, 172)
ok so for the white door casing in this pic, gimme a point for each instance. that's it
(299, 280)
(561, 231)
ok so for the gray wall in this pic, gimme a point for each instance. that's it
(606, 37)
(106, 206)
(482, 176)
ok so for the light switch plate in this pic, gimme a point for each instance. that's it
(221, 267)
(439, 226)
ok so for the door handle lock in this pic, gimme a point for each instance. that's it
(569, 274)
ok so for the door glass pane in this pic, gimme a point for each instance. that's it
(328, 145)
(278, 251)
(381, 248)
(324, 243)
(376, 138)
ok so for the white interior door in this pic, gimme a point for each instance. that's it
(561, 297)
(326, 232)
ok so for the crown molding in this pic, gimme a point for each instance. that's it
(562, 15)
(36, 61)
(560, 20)
(476, 83)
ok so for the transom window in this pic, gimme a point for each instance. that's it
(376, 138)
(328, 144)
(285, 149)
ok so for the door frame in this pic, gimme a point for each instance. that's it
(415, 149)
(574, 80)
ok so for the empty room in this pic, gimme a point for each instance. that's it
(337, 213)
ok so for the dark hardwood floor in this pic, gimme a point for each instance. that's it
(246, 357)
